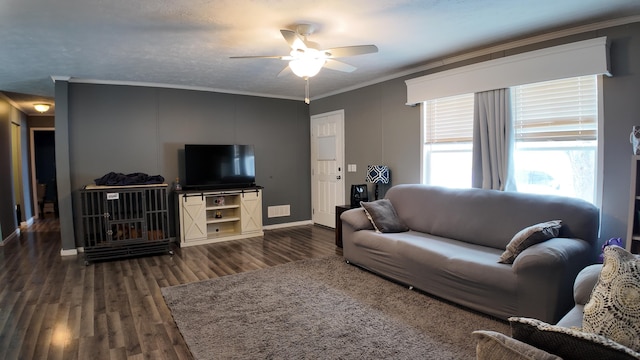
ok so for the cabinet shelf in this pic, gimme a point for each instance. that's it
(223, 220)
(220, 234)
(633, 223)
(222, 207)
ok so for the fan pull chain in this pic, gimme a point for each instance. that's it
(306, 91)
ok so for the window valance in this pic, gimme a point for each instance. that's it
(588, 57)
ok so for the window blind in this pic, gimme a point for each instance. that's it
(449, 119)
(560, 110)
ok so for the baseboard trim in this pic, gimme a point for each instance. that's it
(14, 235)
(68, 252)
(286, 225)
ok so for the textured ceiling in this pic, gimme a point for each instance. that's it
(187, 43)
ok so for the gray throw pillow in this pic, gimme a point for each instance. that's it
(614, 308)
(568, 343)
(383, 216)
(530, 236)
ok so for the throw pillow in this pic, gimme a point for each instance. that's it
(496, 346)
(568, 343)
(383, 216)
(614, 308)
(530, 236)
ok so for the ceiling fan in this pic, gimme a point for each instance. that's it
(306, 58)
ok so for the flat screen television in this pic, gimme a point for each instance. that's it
(219, 166)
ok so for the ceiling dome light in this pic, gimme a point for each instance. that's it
(41, 107)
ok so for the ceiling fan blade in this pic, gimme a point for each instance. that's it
(350, 51)
(293, 39)
(281, 57)
(286, 71)
(339, 66)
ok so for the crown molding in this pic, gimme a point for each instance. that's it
(168, 86)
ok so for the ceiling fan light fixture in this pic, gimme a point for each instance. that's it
(41, 107)
(307, 64)
(306, 68)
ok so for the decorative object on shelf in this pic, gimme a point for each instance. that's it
(634, 139)
(359, 193)
(377, 174)
(218, 214)
(176, 185)
(219, 201)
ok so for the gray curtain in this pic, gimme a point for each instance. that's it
(492, 141)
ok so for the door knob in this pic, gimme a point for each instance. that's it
(338, 177)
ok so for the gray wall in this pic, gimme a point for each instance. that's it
(380, 128)
(130, 129)
(7, 204)
(8, 196)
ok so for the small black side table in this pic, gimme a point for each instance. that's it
(339, 210)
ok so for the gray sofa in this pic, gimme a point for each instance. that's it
(532, 339)
(456, 237)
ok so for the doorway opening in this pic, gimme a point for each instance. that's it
(43, 172)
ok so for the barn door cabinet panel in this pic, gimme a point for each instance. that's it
(123, 221)
(212, 216)
(251, 208)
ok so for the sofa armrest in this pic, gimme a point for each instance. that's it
(585, 282)
(546, 273)
(356, 219)
(582, 287)
(555, 253)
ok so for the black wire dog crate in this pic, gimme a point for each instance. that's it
(124, 221)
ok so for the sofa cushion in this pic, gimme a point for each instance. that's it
(568, 343)
(585, 283)
(528, 236)
(493, 345)
(383, 216)
(614, 308)
(472, 215)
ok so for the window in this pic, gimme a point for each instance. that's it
(555, 126)
(555, 152)
(448, 141)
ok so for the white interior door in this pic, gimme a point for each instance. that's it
(327, 166)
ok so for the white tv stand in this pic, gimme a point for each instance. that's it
(208, 216)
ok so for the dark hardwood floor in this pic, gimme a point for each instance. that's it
(54, 307)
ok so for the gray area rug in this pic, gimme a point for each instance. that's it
(320, 309)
